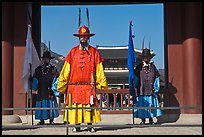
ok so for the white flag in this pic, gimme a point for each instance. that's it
(31, 57)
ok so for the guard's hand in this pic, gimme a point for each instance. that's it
(34, 91)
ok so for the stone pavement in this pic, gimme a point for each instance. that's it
(111, 124)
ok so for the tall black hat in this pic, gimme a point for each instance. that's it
(47, 54)
(146, 52)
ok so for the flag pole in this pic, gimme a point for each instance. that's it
(31, 61)
(30, 101)
(26, 103)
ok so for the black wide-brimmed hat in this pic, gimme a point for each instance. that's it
(146, 53)
(47, 54)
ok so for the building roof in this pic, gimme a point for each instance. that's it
(117, 52)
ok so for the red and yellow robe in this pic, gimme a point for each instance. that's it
(82, 66)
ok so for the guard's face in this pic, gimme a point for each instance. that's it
(83, 39)
(146, 59)
(46, 60)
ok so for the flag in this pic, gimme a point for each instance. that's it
(131, 63)
(31, 57)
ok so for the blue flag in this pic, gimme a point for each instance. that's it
(131, 63)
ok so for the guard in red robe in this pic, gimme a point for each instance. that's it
(81, 74)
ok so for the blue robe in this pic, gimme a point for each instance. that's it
(43, 79)
(147, 84)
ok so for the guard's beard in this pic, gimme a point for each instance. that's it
(147, 62)
(84, 45)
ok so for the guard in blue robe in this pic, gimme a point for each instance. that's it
(42, 80)
(147, 84)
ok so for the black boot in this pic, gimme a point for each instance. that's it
(65, 122)
(52, 121)
(76, 129)
(91, 129)
(143, 121)
(151, 121)
(42, 122)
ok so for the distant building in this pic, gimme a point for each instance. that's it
(115, 64)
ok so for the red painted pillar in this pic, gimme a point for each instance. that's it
(7, 56)
(184, 28)
(192, 81)
(192, 55)
(14, 30)
(20, 32)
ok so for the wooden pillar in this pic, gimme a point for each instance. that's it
(7, 56)
(192, 59)
(20, 33)
(184, 36)
(192, 83)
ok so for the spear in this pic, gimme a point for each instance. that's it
(87, 14)
(79, 18)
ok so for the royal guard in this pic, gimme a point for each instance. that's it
(81, 74)
(42, 81)
(147, 83)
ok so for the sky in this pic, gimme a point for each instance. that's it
(109, 23)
